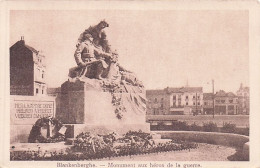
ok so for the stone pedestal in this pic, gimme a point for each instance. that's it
(86, 106)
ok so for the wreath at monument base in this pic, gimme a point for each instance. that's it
(53, 127)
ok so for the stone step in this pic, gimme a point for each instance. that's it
(50, 147)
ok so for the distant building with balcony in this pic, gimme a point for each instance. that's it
(226, 103)
(208, 103)
(175, 101)
(187, 99)
(27, 70)
(243, 100)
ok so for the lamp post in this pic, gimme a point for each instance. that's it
(213, 97)
(196, 105)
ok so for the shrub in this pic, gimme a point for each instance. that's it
(207, 127)
(229, 128)
(161, 126)
(195, 127)
(180, 126)
(242, 131)
(210, 127)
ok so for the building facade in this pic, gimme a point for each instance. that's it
(226, 103)
(156, 102)
(208, 103)
(175, 101)
(243, 100)
(27, 70)
(186, 100)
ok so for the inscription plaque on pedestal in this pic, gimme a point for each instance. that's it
(25, 111)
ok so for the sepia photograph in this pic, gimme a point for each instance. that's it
(130, 87)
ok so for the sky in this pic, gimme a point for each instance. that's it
(164, 48)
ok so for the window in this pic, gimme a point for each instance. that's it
(230, 101)
(42, 74)
(187, 103)
(155, 100)
(161, 99)
(38, 72)
(198, 97)
(37, 90)
(194, 103)
(205, 103)
(198, 103)
(222, 101)
(161, 105)
(187, 97)
(193, 97)
(42, 91)
(174, 100)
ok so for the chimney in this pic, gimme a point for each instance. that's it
(22, 40)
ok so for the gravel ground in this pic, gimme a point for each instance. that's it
(205, 152)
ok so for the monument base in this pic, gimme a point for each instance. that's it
(88, 108)
(20, 133)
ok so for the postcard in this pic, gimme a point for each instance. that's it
(154, 84)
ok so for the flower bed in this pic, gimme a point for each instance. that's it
(90, 147)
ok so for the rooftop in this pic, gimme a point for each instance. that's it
(222, 93)
(155, 92)
(207, 96)
(53, 90)
(31, 48)
(22, 43)
(184, 89)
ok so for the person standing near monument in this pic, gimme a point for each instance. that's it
(90, 58)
